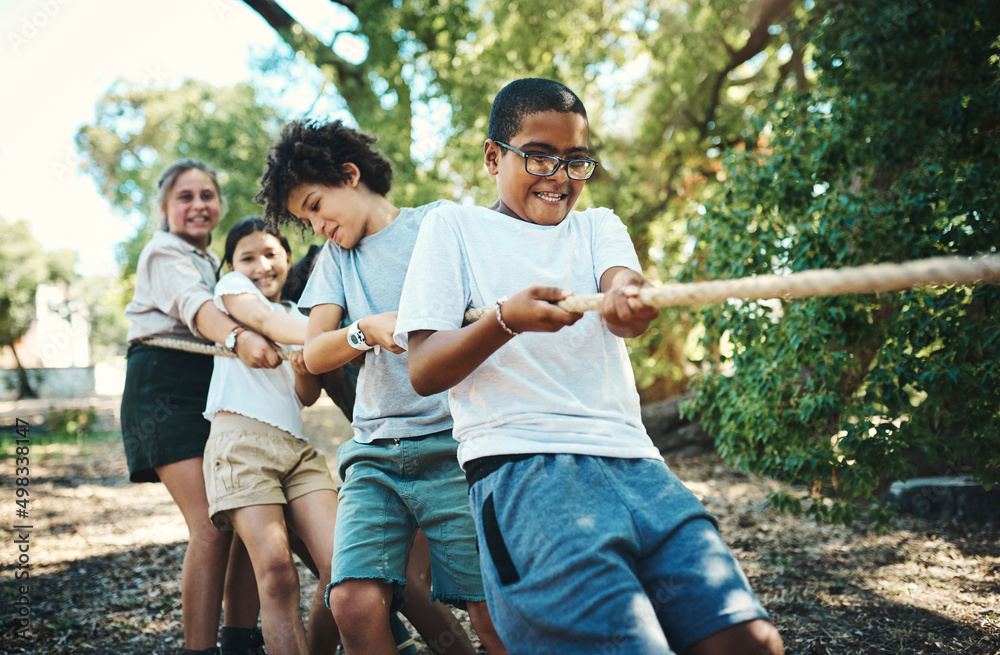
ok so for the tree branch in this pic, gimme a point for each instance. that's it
(771, 11)
(350, 5)
(320, 54)
(798, 65)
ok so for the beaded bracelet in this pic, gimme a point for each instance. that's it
(500, 318)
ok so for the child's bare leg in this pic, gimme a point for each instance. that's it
(299, 548)
(204, 569)
(312, 518)
(262, 528)
(442, 632)
(361, 608)
(757, 637)
(479, 614)
(240, 602)
(418, 566)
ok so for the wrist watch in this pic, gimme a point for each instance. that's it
(231, 339)
(356, 337)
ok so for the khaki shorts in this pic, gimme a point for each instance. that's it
(252, 463)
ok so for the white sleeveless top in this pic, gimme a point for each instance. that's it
(264, 394)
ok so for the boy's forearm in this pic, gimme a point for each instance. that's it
(440, 360)
(328, 351)
(326, 346)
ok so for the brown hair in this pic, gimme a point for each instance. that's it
(168, 178)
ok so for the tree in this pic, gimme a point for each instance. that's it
(23, 266)
(891, 156)
(105, 297)
(138, 130)
(667, 85)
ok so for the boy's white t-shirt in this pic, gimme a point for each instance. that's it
(570, 391)
(264, 394)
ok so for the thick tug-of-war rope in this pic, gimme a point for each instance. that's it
(872, 278)
(197, 347)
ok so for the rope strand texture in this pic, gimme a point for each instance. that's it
(197, 347)
(872, 278)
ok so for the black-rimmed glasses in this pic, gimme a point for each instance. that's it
(546, 165)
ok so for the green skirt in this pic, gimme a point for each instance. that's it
(162, 408)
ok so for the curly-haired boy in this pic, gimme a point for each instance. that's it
(400, 470)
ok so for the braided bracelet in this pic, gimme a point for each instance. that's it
(500, 318)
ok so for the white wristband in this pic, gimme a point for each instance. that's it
(356, 337)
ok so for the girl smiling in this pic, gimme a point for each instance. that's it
(261, 475)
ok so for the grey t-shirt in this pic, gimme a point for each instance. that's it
(368, 279)
(570, 391)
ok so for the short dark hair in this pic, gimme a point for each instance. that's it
(529, 96)
(313, 152)
(247, 226)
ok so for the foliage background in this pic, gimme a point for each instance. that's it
(736, 137)
(24, 266)
(892, 155)
(668, 86)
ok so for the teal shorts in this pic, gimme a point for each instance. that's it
(392, 487)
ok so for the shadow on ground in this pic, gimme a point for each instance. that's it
(106, 559)
(127, 602)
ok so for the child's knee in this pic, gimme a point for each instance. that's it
(765, 637)
(757, 637)
(277, 575)
(207, 536)
(357, 603)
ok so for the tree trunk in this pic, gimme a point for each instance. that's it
(26, 390)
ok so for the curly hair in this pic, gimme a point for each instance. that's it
(526, 96)
(313, 152)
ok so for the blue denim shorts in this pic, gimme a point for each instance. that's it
(603, 555)
(392, 487)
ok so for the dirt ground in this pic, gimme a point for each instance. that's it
(105, 557)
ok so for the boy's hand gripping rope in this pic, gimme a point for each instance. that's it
(872, 278)
(820, 282)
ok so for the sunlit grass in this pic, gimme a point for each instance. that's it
(51, 444)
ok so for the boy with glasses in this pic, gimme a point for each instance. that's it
(587, 542)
